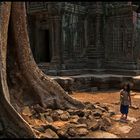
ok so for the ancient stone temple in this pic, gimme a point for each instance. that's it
(85, 36)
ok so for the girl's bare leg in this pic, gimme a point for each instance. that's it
(122, 116)
(125, 117)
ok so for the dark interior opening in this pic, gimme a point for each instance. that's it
(44, 46)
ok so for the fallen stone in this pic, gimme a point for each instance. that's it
(104, 107)
(42, 117)
(60, 111)
(71, 132)
(81, 125)
(93, 125)
(98, 107)
(96, 103)
(97, 113)
(62, 133)
(65, 116)
(82, 131)
(107, 121)
(48, 110)
(74, 119)
(55, 116)
(38, 108)
(82, 120)
(60, 123)
(134, 107)
(52, 127)
(80, 113)
(47, 114)
(49, 119)
(49, 134)
(39, 128)
(89, 105)
(111, 112)
(71, 111)
(26, 111)
(104, 127)
(90, 117)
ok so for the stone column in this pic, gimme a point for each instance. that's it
(56, 40)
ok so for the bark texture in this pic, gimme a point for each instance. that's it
(21, 81)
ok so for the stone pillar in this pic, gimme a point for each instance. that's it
(56, 40)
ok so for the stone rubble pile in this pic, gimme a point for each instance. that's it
(50, 123)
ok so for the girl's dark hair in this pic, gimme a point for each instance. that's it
(127, 87)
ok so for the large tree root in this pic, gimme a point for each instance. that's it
(21, 77)
(46, 91)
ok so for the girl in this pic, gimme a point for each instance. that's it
(125, 101)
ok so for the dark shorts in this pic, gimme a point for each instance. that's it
(124, 109)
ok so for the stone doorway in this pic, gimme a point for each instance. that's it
(44, 46)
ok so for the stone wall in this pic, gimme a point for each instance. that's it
(95, 35)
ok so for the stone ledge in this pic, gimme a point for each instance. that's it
(91, 82)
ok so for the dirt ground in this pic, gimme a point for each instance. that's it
(112, 98)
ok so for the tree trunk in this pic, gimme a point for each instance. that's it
(22, 82)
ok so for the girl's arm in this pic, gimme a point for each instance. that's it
(129, 96)
(121, 95)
